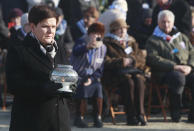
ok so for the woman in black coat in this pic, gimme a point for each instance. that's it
(37, 106)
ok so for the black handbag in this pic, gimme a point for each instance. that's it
(131, 70)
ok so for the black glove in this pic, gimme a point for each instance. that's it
(51, 88)
(73, 87)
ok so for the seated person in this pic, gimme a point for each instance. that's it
(143, 31)
(122, 70)
(20, 34)
(87, 59)
(14, 22)
(171, 58)
(90, 15)
(192, 32)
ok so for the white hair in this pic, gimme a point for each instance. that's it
(24, 19)
(167, 13)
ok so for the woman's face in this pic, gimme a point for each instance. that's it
(89, 20)
(121, 32)
(95, 40)
(45, 30)
(16, 20)
(95, 37)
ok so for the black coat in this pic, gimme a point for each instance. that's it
(36, 105)
(65, 42)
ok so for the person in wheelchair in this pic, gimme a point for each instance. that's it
(123, 69)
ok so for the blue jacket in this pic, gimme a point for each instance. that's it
(83, 59)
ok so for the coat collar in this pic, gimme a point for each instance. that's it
(112, 42)
(167, 37)
(32, 50)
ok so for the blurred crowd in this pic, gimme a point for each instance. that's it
(115, 45)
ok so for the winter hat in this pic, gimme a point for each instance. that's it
(24, 19)
(146, 13)
(15, 12)
(59, 11)
(119, 4)
(119, 23)
(97, 27)
(50, 3)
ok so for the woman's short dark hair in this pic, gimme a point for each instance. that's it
(97, 28)
(40, 12)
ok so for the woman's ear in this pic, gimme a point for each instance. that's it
(32, 26)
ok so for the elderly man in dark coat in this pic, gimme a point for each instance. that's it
(37, 106)
(171, 58)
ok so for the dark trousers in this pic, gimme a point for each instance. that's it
(176, 81)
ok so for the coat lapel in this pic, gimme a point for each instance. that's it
(36, 57)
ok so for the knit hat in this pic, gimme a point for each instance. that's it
(50, 3)
(15, 13)
(119, 23)
(59, 11)
(146, 13)
(24, 19)
(120, 4)
(118, 10)
(97, 27)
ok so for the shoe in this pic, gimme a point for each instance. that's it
(80, 123)
(142, 119)
(132, 121)
(175, 116)
(98, 122)
(190, 118)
